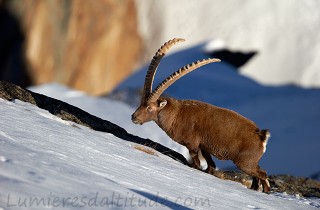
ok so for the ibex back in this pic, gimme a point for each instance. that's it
(203, 128)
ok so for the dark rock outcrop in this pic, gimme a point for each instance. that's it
(234, 58)
(279, 183)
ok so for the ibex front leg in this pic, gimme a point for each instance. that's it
(193, 151)
(202, 156)
(195, 159)
(211, 165)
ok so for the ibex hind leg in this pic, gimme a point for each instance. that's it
(263, 177)
(266, 185)
(255, 183)
(258, 174)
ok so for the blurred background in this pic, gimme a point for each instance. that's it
(87, 45)
(94, 45)
(270, 51)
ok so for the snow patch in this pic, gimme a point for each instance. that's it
(284, 33)
(3, 159)
(203, 162)
(214, 45)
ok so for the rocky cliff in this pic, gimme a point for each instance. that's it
(88, 45)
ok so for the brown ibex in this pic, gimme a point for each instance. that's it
(203, 128)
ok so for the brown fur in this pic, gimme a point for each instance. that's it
(211, 129)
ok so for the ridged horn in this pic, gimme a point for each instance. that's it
(177, 75)
(154, 65)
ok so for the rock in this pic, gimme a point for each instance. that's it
(279, 183)
(295, 185)
(292, 185)
(88, 45)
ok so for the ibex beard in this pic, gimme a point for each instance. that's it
(203, 128)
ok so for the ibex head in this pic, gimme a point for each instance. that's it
(151, 103)
(148, 111)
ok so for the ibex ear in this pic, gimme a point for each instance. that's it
(162, 104)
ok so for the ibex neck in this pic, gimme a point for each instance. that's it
(167, 116)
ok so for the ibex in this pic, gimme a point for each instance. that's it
(201, 127)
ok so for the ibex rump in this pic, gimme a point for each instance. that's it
(203, 128)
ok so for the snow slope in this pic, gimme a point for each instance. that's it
(48, 163)
(291, 113)
(114, 111)
(285, 33)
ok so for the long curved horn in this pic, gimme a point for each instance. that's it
(154, 65)
(177, 75)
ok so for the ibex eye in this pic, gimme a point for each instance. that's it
(149, 108)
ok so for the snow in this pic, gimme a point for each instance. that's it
(285, 33)
(48, 163)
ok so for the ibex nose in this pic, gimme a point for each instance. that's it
(135, 120)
